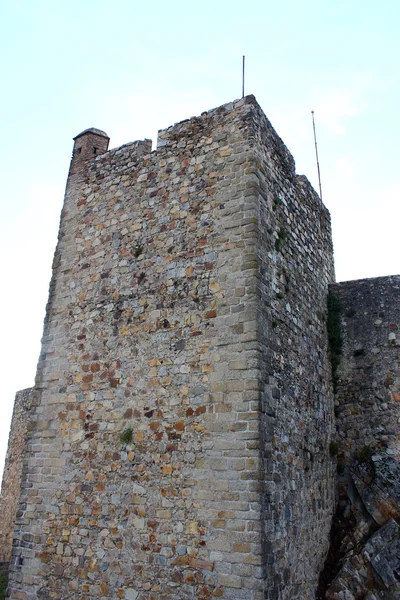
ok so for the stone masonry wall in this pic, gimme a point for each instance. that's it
(10, 489)
(295, 268)
(364, 556)
(368, 386)
(148, 277)
(182, 403)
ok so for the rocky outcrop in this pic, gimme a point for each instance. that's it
(370, 550)
(378, 483)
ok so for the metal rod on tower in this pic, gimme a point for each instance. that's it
(243, 77)
(316, 154)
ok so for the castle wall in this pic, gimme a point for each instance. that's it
(295, 268)
(182, 401)
(149, 285)
(368, 375)
(11, 484)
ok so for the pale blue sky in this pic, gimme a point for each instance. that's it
(131, 68)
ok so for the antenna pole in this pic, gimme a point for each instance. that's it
(316, 154)
(243, 77)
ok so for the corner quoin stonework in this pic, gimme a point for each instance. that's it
(183, 412)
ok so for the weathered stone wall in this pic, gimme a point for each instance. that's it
(368, 375)
(295, 268)
(364, 555)
(10, 488)
(182, 417)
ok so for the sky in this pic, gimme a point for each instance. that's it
(131, 68)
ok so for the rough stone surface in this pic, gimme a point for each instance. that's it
(373, 571)
(11, 484)
(378, 483)
(370, 551)
(368, 376)
(182, 414)
(183, 407)
(296, 396)
(367, 406)
(383, 551)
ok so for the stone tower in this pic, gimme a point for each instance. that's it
(182, 406)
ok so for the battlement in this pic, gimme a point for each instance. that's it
(182, 130)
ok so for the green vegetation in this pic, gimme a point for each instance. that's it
(334, 335)
(277, 202)
(3, 585)
(126, 436)
(340, 468)
(282, 235)
(364, 454)
(333, 449)
(138, 251)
